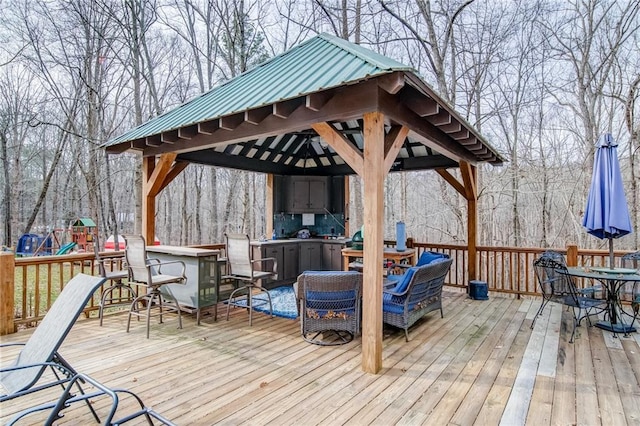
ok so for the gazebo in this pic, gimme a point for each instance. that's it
(373, 114)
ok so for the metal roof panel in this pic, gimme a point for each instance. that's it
(320, 63)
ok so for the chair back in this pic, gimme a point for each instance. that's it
(553, 283)
(427, 281)
(238, 250)
(631, 260)
(50, 333)
(631, 290)
(96, 252)
(135, 254)
(554, 255)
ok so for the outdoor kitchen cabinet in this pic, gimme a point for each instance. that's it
(270, 250)
(307, 194)
(286, 255)
(202, 267)
(310, 256)
(332, 256)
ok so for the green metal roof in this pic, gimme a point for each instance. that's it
(336, 62)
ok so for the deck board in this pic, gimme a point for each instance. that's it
(480, 364)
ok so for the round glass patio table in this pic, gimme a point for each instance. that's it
(612, 280)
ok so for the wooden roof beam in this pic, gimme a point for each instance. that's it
(442, 118)
(231, 122)
(435, 138)
(351, 103)
(391, 83)
(154, 141)
(255, 116)
(285, 108)
(208, 127)
(169, 137)
(393, 142)
(345, 149)
(188, 132)
(421, 105)
(315, 101)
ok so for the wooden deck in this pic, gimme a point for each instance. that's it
(481, 364)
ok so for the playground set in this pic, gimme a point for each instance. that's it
(81, 234)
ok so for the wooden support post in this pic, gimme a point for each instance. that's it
(148, 201)
(572, 255)
(470, 179)
(472, 241)
(345, 208)
(373, 178)
(7, 308)
(270, 194)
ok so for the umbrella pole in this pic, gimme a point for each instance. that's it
(611, 264)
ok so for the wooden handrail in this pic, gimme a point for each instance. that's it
(29, 285)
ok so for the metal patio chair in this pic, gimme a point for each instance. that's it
(148, 273)
(630, 292)
(558, 286)
(117, 286)
(243, 268)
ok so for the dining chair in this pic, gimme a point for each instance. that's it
(148, 273)
(112, 295)
(630, 291)
(241, 267)
(557, 286)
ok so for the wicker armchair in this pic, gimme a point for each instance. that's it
(329, 306)
(418, 293)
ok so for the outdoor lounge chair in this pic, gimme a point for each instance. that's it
(25, 375)
(148, 273)
(418, 293)
(558, 286)
(329, 306)
(242, 267)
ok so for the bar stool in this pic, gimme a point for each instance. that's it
(115, 277)
(148, 273)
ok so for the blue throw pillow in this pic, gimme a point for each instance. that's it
(428, 257)
(401, 287)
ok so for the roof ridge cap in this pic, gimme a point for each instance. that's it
(362, 52)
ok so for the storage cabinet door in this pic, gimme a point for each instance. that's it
(290, 262)
(317, 195)
(275, 251)
(300, 195)
(310, 257)
(307, 194)
(332, 257)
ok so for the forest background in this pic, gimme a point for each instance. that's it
(540, 79)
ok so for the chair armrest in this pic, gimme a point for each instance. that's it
(393, 293)
(265, 260)
(395, 266)
(159, 265)
(6, 345)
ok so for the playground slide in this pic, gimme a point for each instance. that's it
(66, 248)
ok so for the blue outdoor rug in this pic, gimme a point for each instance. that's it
(283, 300)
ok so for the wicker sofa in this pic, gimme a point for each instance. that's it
(417, 293)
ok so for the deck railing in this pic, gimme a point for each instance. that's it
(28, 286)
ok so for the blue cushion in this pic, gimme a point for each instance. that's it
(402, 285)
(429, 256)
(333, 300)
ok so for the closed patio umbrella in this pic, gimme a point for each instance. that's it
(606, 214)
